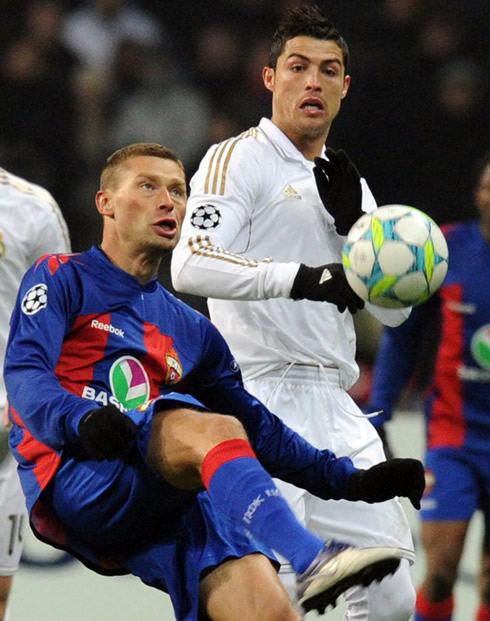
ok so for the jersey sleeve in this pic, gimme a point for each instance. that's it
(224, 192)
(50, 232)
(40, 320)
(283, 452)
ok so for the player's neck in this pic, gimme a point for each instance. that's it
(143, 267)
(309, 145)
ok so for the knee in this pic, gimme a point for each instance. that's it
(181, 438)
(220, 427)
(439, 582)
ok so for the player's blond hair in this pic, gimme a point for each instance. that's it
(114, 162)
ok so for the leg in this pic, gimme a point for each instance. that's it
(443, 543)
(12, 522)
(319, 413)
(192, 447)
(250, 585)
(5, 584)
(484, 578)
(452, 496)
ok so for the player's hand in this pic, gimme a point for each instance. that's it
(397, 477)
(339, 186)
(106, 433)
(326, 283)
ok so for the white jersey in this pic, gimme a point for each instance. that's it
(31, 225)
(254, 214)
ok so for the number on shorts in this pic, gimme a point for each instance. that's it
(16, 530)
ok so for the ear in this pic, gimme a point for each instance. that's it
(103, 203)
(346, 86)
(268, 76)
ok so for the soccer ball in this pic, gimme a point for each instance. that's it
(395, 257)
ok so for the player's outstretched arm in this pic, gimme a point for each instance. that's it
(397, 477)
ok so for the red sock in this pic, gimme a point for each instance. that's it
(483, 613)
(221, 453)
(433, 611)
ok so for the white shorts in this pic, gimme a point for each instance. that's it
(13, 516)
(310, 400)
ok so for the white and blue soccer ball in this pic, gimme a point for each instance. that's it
(395, 257)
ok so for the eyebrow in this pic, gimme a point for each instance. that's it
(307, 59)
(159, 178)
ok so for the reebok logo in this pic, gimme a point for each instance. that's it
(107, 327)
(252, 508)
(290, 192)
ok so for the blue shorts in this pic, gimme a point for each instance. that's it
(458, 483)
(126, 512)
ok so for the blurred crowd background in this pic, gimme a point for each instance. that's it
(80, 78)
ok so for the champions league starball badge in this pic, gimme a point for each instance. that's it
(206, 217)
(35, 299)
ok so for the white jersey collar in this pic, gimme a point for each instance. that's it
(281, 142)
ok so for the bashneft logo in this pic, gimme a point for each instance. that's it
(107, 327)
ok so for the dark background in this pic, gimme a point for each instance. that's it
(415, 119)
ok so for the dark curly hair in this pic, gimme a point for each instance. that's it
(307, 21)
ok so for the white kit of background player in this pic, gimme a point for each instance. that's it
(31, 225)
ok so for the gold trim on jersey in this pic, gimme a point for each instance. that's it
(204, 247)
(223, 152)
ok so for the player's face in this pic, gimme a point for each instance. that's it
(147, 206)
(307, 88)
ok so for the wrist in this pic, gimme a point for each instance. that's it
(354, 485)
(72, 423)
(299, 283)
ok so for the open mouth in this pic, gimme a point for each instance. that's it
(312, 104)
(166, 228)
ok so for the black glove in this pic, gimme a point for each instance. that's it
(106, 433)
(397, 477)
(339, 186)
(326, 283)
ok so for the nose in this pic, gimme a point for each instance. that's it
(313, 81)
(166, 200)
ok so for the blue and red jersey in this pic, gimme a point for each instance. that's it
(457, 404)
(84, 333)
